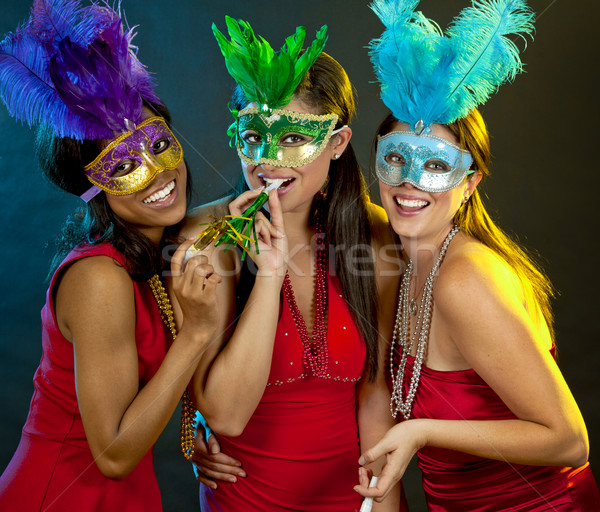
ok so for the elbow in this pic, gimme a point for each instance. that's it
(575, 451)
(230, 427)
(579, 452)
(114, 469)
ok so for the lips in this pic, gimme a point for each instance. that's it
(410, 205)
(162, 194)
(266, 181)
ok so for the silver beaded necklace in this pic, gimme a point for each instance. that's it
(421, 333)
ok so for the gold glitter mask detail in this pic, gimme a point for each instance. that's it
(284, 138)
(132, 161)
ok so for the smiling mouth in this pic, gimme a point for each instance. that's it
(162, 194)
(411, 205)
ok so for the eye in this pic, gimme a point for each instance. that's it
(395, 159)
(124, 167)
(251, 137)
(437, 166)
(294, 139)
(160, 145)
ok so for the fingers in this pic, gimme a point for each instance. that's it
(203, 478)
(240, 203)
(210, 464)
(213, 445)
(364, 476)
(379, 450)
(177, 262)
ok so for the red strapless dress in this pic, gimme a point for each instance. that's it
(53, 469)
(300, 449)
(457, 482)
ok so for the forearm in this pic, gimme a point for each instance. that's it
(147, 415)
(516, 441)
(236, 380)
(374, 420)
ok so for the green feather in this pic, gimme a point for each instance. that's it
(267, 77)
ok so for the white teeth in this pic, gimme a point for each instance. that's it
(411, 203)
(273, 184)
(161, 194)
(277, 181)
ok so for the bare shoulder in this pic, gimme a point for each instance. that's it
(472, 272)
(97, 275)
(92, 290)
(203, 214)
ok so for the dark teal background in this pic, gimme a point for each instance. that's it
(544, 187)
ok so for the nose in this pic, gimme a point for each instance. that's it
(267, 167)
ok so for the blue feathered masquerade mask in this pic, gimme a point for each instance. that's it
(75, 69)
(427, 77)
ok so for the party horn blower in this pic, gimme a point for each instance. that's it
(231, 229)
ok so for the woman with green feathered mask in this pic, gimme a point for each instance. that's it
(295, 384)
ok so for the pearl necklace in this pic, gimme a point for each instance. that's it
(315, 355)
(188, 410)
(421, 333)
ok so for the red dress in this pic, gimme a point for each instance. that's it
(300, 449)
(53, 469)
(457, 482)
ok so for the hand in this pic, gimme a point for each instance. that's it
(194, 284)
(271, 258)
(210, 464)
(398, 445)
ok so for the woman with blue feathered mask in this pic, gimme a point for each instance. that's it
(111, 373)
(475, 384)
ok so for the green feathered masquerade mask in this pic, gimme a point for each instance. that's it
(267, 133)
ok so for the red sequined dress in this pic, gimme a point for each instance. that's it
(53, 469)
(456, 482)
(300, 448)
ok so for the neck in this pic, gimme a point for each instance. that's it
(155, 234)
(297, 226)
(424, 250)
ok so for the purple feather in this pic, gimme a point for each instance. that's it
(74, 68)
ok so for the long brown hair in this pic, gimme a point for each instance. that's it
(327, 89)
(474, 220)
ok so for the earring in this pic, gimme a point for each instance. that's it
(465, 199)
(336, 156)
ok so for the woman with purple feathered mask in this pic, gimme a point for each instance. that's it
(111, 372)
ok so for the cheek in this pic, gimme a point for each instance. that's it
(249, 173)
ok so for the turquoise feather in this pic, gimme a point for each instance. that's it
(427, 76)
(267, 77)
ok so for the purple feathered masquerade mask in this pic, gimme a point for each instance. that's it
(75, 69)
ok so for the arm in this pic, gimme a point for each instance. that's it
(498, 331)
(96, 311)
(374, 416)
(244, 352)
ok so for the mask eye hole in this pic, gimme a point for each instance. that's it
(251, 137)
(395, 159)
(437, 166)
(294, 139)
(160, 145)
(124, 167)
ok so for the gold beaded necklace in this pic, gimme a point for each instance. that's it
(188, 411)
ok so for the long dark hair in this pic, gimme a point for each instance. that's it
(327, 89)
(474, 220)
(62, 161)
